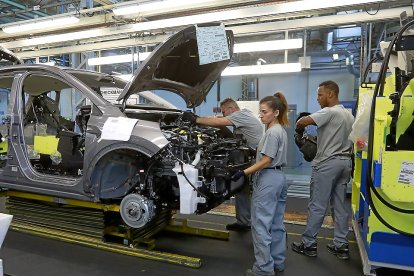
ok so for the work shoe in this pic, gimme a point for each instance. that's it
(238, 227)
(249, 272)
(341, 252)
(280, 267)
(310, 251)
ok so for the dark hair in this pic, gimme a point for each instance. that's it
(229, 101)
(278, 102)
(330, 85)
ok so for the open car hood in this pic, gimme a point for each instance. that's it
(174, 66)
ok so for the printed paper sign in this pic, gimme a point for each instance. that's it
(406, 173)
(118, 128)
(212, 44)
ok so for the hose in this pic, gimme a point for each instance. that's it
(379, 90)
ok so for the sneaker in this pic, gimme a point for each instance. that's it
(311, 251)
(341, 252)
(238, 227)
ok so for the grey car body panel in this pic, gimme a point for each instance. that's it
(18, 174)
(174, 66)
(109, 169)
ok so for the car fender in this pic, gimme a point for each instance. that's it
(137, 146)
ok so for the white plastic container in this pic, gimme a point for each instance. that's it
(5, 221)
(188, 196)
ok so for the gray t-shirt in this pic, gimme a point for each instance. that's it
(274, 145)
(248, 125)
(334, 125)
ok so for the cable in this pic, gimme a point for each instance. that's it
(185, 176)
(365, 8)
(191, 184)
(369, 65)
(379, 89)
(381, 219)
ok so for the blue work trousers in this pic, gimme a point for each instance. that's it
(328, 188)
(243, 204)
(268, 230)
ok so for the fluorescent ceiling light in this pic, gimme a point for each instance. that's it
(262, 69)
(62, 37)
(39, 24)
(293, 6)
(238, 48)
(153, 6)
(117, 59)
(223, 16)
(284, 8)
(271, 45)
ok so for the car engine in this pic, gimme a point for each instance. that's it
(192, 173)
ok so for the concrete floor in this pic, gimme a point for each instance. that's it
(28, 255)
(23, 254)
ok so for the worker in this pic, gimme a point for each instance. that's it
(269, 189)
(331, 171)
(247, 124)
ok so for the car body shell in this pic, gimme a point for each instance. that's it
(91, 167)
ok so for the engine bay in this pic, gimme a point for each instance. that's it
(193, 171)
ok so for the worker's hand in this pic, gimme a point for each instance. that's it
(189, 117)
(239, 174)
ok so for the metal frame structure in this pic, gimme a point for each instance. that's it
(28, 219)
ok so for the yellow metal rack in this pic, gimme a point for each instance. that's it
(98, 225)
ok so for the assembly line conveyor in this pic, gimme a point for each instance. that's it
(98, 225)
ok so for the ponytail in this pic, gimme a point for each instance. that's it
(283, 118)
(278, 102)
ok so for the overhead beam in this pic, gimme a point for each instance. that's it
(252, 12)
(150, 40)
(85, 22)
(161, 25)
(23, 7)
(27, 9)
(308, 23)
(98, 20)
(286, 9)
(103, 2)
(321, 21)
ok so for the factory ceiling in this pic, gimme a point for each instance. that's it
(100, 28)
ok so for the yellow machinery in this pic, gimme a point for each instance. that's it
(383, 185)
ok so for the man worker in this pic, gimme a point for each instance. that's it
(249, 125)
(331, 171)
